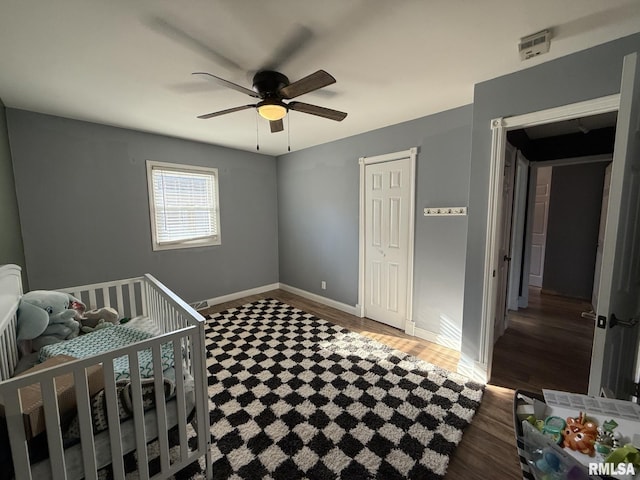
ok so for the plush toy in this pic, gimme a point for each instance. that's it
(99, 318)
(46, 317)
(580, 435)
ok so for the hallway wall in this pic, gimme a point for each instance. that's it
(572, 229)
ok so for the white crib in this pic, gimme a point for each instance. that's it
(183, 328)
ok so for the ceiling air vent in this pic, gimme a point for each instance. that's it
(534, 45)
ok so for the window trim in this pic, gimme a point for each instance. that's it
(177, 244)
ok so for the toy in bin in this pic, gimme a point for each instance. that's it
(546, 459)
(580, 435)
(553, 427)
(551, 466)
(607, 440)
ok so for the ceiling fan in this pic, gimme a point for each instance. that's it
(272, 88)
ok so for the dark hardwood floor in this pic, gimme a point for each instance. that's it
(547, 345)
(541, 341)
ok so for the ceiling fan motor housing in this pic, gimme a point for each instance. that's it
(267, 83)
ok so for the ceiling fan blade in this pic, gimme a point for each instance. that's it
(307, 84)
(292, 46)
(229, 84)
(165, 28)
(224, 112)
(276, 126)
(316, 110)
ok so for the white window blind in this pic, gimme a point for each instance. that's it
(184, 205)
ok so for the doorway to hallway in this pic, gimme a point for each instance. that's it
(547, 345)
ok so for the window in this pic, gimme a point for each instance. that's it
(183, 203)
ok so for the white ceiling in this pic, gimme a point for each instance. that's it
(109, 61)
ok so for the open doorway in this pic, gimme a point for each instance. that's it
(557, 179)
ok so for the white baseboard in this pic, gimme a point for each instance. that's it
(353, 310)
(472, 369)
(274, 286)
(236, 295)
(433, 337)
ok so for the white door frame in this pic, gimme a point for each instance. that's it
(499, 128)
(412, 154)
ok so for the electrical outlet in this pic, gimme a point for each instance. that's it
(323, 285)
(200, 305)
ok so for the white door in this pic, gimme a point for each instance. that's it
(601, 229)
(615, 346)
(523, 299)
(499, 324)
(539, 234)
(387, 216)
(517, 233)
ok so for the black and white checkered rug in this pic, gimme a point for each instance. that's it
(296, 397)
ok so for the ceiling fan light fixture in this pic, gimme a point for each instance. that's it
(272, 111)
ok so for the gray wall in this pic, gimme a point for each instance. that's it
(82, 195)
(10, 238)
(318, 202)
(585, 75)
(572, 229)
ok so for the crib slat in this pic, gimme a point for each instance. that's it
(113, 419)
(175, 319)
(138, 415)
(168, 317)
(202, 402)
(106, 298)
(13, 347)
(17, 439)
(143, 298)
(132, 301)
(85, 422)
(157, 307)
(120, 301)
(4, 367)
(93, 303)
(152, 298)
(161, 408)
(182, 408)
(54, 436)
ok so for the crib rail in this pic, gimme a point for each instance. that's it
(10, 292)
(184, 336)
(126, 296)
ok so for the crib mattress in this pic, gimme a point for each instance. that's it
(108, 339)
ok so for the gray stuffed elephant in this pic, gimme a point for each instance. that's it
(46, 317)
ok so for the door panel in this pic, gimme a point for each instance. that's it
(394, 222)
(376, 222)
(539, 234)
(615, 347)
(387, 200)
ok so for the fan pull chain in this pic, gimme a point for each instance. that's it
(289, 133)
(257, 139)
